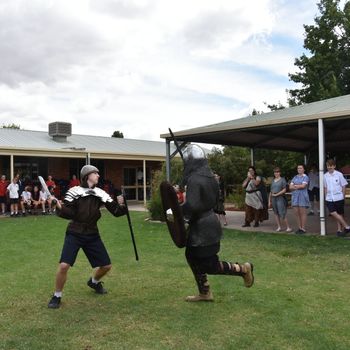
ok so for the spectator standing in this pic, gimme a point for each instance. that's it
(13, 190)
(278, 200)
(3, 197)
(74, 181)
(335, 184)
(255, 209)
(314, 189)
(300, 197)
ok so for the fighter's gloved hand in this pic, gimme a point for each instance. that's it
(187, 224)
(120, 200)
(169, 215)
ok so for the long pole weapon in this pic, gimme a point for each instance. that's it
(176, 144)
(130, 226)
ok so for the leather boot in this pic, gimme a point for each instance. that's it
(248, 277)
(200, 297)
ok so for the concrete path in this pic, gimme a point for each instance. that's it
(235, 219)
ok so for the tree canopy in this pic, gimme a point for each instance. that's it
(10, 126)
(324, 70)
(118, 134)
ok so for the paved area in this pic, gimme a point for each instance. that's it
(235, 219)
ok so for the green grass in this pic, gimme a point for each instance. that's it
(299, 301)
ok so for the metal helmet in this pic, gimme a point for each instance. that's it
(88, 169)
(193, 152)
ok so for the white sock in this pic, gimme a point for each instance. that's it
(94, 281)
(58, 294)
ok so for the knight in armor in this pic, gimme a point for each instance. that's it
(81, 206)
(204, 230)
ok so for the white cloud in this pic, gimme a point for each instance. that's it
(140, 66)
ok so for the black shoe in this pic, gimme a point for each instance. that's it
(246, 225)
(97, 286)
(256, 224)
(54, 303)
(341, 233)
(300, 232)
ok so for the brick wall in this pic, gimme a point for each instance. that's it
(58, 168)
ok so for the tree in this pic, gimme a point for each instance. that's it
(118, 134)
(325, 68)
(10, 126)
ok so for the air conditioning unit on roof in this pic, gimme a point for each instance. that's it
(60, 131)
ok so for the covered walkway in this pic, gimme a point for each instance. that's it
(322, 126)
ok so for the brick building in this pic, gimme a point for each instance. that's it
(122, 162)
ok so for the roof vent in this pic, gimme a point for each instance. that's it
(60, 131)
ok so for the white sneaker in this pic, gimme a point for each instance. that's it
(278, 229)
(289, 229)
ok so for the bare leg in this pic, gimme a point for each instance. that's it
(340, 220)
(278, 221)
(303, 217)
(61, 276)
(287, 223)
(101, 271)
(297, 214)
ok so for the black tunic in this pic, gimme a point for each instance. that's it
(201, 197)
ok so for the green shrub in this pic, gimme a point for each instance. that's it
(155, 204)
(236, 197)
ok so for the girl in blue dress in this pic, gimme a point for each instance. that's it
(300, 197)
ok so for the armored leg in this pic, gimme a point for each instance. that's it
(201, 280)
(235, 269)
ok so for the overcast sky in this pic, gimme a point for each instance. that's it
(141, 66)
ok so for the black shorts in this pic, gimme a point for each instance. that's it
(337, 206)
(314, 194)
(92, 246)
(14, 200)
(2, 199)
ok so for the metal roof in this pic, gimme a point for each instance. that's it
(40, 141)
(294, 128)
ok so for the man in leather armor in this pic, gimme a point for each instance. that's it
(81, 206)
(204, 231)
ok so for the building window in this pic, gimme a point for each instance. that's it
(133, 183)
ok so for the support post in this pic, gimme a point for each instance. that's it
(12, 168)
(252, 161)
(88, 159)
(144, 184)
(167, 160)
(321, 161)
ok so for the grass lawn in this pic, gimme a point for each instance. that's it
(300, 299)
